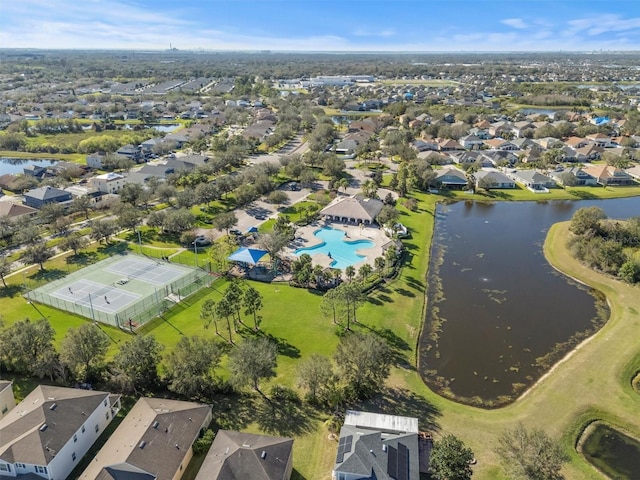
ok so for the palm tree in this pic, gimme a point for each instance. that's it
(365, 271)
(350, 272)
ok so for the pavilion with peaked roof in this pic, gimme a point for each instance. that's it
(355, 209)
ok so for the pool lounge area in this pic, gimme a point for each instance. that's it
(347, 244)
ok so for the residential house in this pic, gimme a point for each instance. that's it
(532, 179)
(499, 128)
(141, 176)
(153, 442)
(39, 197)
(600, 140)
(609, 175)
(501, 144)
(235, 455)
(35, 171)
(131, 152)
(590, 152)
(519, 128)
(355, 209)
(481, 133)
(13, 211)
(527, 143)
(422, 145)
(450, 178)
(548, 142)
(93, 194)
(467, 158)
(581, 177)
(147, 145)
(7, 400)
(500, 157)
(95, 160)
(346, 147)
(634, 172)
(108, 182)
(47, 434)
(448, 145)
(471, 142)
(576, 142)
(377, 446)
(488, 179)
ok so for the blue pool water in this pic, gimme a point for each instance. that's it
(343, 252)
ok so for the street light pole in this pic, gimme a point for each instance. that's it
(195, 250)
(140, 242)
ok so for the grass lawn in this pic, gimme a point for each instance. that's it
(522, 194)
(69, 157)
(592, 383)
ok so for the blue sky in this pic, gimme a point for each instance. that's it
(327, 25)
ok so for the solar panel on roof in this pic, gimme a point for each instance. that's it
(340, 457)
(342, 440)
(403, 462)
(392, 462)
(348, 443)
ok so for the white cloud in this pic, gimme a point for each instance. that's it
(514, 22)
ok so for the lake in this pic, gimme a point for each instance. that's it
(499, 306)
(16, 165)
(164, 127)
(538, 111)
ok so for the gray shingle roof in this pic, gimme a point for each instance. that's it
(46, 193)
(236, 456)
(23, 439)
(354, 207)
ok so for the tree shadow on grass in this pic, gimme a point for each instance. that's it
(284, 347)
(10, 291)
(284, 417)
(400, 401)
(48, 275)
(405, 293)
(397, 345)
(233, 411)
(582, 195)
(114, 248)
(83, 258)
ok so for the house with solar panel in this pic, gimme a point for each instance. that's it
(378, 446)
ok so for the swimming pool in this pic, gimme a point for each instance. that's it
(333, 244)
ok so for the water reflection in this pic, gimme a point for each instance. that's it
(498, 314)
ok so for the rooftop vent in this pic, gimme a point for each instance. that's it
(246, 445)
(384, 447)
(142, 444)
(43, 427)
(263, 455)
(53, 406)
(155, 424)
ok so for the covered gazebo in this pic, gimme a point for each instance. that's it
(250, 256)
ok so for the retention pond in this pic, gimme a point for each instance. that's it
(612, 452)
(498, 314)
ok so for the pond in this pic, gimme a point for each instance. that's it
(17, 165)
(499, 315)
(164, 127)
(539, 111)
(612, 452)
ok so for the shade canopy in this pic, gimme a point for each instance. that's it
(252, 229)
(247, 255)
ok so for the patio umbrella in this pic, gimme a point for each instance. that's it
(247, 255)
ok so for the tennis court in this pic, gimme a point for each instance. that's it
(126, 290)
(104, 298)
(156, 273)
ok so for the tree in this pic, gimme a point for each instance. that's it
(103, 229)
(568, 179)
(363, 361)
(252, 302)
(26, 347)
(74, 242)
(130, 193)
(331, 305)
(587, 219)
(50, 212)
(191, 366)
(177, 221)
(81, 205)
(128, 217)
(315, 374)
(277, 197)
(225, 221)
(450, 459)
(273, 243)
(208, 314)
(83, 351)
(388, 215)
(233, 295)
(350, 272)
(252, 361)
(138, 359)
(5, 269)
(630, 271)
(37, 253)
(531, 455)
(225, 310)
(207, 193)
(370, 189)
(365, 271)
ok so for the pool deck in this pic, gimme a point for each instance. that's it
(305, 238)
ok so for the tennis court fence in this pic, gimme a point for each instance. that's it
(146, 308)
